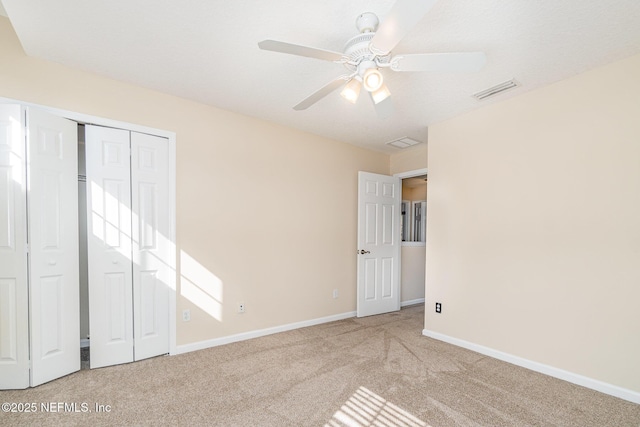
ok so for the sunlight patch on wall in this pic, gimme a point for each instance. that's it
(365, 408)
(201, 286)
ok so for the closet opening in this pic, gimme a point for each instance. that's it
(85, 351)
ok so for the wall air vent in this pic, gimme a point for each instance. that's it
(495, 90)
(403, 142)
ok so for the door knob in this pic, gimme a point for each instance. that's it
(52, 262)
(362, 252)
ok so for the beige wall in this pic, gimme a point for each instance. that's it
(266, 215)
(413, 272)
(409, 159)
(534, 225)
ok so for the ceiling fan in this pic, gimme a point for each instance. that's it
(370, 51)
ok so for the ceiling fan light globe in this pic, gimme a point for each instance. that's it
(351, 91)
(372, 79)
(381, 94)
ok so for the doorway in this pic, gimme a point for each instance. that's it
(414, 235)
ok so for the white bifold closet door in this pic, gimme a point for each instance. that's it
(52, 202)
(128, 248)
(109, 245)
(14, 291)
(39, 266)
(151, 244)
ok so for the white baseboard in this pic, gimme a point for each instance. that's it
(412, 302)
(610, 389)
(201, 345)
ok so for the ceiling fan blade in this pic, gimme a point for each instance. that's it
(321, 93)
(404, 15)
(437, 62)
(295, 49)
(384, 108)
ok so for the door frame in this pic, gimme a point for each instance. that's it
(82, 118)
(412, 173)
(403, 175)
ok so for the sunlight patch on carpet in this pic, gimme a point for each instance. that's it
(365, 408)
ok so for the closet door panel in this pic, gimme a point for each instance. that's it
(53, 235)
(14, 313)
(109, 245)
(151, 244)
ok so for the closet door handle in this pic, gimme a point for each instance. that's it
(52, 262)
(362, 252)
(115, 261)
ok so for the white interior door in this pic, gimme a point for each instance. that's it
(379, 198)
(151, 244)
(109, 245)
(14, 309)
(52, 203)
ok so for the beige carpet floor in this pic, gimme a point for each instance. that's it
(377, 371)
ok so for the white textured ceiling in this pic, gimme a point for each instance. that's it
(207, 50)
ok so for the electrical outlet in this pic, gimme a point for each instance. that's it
(335, 293)
(241, 307)
(186, 315)
(438, 307)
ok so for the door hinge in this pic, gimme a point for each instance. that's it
(26, 248)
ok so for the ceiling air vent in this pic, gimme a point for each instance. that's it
(403, 142)
(495, 90)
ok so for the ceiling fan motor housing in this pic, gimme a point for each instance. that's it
(357, 50)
